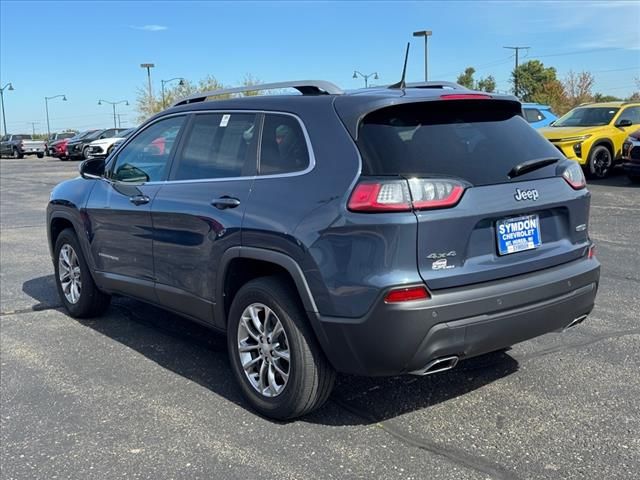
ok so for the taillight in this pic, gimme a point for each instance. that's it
(383, 196)
(407, 294)
(574, 176)
(591, 253)
(403, 195)
(435, 193)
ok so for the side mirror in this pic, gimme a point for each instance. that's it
(93, 168)
(624, 123)
(552, 123)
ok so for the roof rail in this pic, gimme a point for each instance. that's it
(305, 87)
(436, 84)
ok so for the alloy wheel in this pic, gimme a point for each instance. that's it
(69, 273)
(602, 162)
(263, 349)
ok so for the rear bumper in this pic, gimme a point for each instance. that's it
(465, 322)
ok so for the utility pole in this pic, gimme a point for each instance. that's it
(33, 128)
(515, 72)
(113, 104)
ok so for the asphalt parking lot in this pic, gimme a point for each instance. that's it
(141, 393)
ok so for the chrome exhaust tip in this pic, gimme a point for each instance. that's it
(576, 321)
(438, 365)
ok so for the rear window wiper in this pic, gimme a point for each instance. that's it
(531, 165)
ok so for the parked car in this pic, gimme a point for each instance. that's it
(593, 134)
(54, 138)
(17, 146)
(79, 147)
(104, 146)
(58, 149)
(631, 156)
(538, 115)
(381, 232)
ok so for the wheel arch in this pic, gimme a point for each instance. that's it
(606, 142)
(241, 264)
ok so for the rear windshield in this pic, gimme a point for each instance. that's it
(22, 137)
(477, 140)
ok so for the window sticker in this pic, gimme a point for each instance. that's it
(225, 120)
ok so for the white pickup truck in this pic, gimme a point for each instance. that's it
(17, 146)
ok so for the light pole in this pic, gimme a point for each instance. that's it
(4, 120)
(149, 66)
(426, 34)
(113, 104)
(46, 107)
(356, 73)
(164, 82)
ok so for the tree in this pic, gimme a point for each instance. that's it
(148, 108)
(486, 84)
(578, 88)
(531, 78)
(635, 97)
(466, 79)
(553, 94)
(599, 97)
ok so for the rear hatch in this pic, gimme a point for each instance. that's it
(487, 190)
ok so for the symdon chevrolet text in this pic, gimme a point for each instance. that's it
(378, 232)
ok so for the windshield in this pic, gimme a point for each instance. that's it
(480, 141)
(587, 117)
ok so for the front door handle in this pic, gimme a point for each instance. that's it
(225, 202)
(139, 199)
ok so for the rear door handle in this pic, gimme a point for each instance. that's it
(225, 202)
(139, 199)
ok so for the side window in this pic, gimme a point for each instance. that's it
(533, 115)
(631, 113)
(218, 146)
(283, 148)
(146, 157)
(107, 133)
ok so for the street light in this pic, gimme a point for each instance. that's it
(4, 120)
(46, 107)
(113, 104)
(164, 82)
(149, 66)
(426, 34)
(356, 73)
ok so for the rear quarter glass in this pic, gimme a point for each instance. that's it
(479, 141)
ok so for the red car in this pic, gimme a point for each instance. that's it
(58, 148)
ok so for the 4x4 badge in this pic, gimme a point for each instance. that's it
(434, 256)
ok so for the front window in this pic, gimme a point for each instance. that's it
(146, 157)
(587, 117)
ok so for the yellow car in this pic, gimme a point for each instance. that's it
(593, 134)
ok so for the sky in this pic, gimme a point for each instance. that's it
(92, 50)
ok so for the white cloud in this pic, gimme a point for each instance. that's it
(149, 28)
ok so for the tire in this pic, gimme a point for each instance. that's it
(310, 376)
(90, 302)
(16, 154)
(85, 153)
(600, 162)
(40, 155)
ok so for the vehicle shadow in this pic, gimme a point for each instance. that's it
(200, 355)
(617, 178)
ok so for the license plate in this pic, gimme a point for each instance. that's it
(518, 234)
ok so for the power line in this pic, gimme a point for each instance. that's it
(515, 72)
(577, 52)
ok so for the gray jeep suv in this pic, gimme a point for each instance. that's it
(377, 232)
